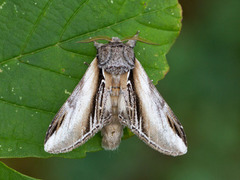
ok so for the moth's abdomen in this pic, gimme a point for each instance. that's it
(114, 100)
(112, 132)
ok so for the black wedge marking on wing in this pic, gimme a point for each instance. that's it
(170, 122)
(55, 125)
(60, 122)
(176, 126)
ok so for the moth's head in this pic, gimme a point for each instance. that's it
(131, 41)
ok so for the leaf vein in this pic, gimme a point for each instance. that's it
(71, 17)
(110, 25)
(155, 27)
(39, 67)
(67, 50)
(26, 107)
(90, 32)
(35, 26)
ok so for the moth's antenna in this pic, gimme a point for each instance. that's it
(135, 38)
(95, 39)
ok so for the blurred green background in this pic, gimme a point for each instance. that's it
(202, 88)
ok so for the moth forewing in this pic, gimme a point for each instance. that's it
(157, 125)
(75, 122)
(116, 92)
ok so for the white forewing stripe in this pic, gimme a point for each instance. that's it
(149, 141)
(156, 146)
(77, 110)
(98, 107)
(140, 123)
(75, 144)
(156, 126)
(132, 112)
(90, 124)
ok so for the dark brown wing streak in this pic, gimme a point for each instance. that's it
(149, 116)
(80, 116)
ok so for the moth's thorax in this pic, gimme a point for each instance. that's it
(116, 57)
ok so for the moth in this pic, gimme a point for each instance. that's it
(115, 92)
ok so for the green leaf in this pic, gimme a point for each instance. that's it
(41, 63)
(8, 173)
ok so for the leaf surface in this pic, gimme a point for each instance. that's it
(41, 63)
